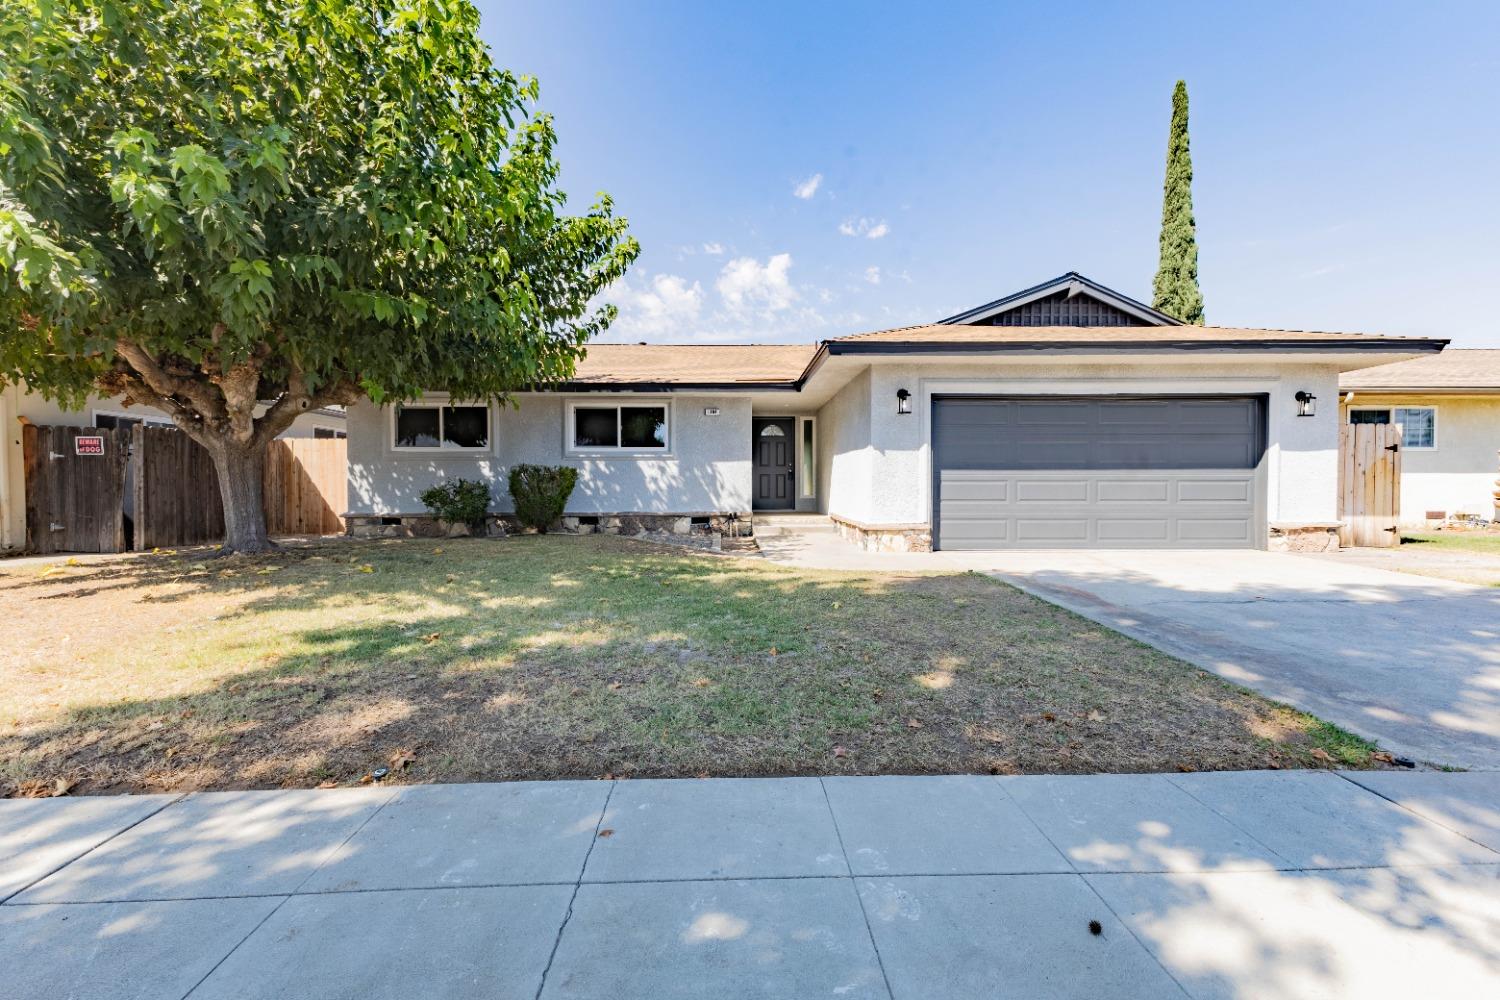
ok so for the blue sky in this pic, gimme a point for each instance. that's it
(803, 170)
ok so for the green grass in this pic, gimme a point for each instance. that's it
(1486, 542)
(546, 657)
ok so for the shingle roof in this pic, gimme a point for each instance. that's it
(692, 364)
(1454, 369)
(966, 335)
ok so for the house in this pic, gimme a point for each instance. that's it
(18, 404)
(1448, 406)
(1064, 415)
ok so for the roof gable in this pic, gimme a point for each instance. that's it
(1067, 300)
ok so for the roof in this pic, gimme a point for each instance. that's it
(669, 365)
(1072, 283)
(1454, 370)
(934, 337)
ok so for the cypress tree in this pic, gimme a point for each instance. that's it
(1175, 290)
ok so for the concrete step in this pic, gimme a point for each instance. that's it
(784, 524)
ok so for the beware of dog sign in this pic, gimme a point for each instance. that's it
(88, 444)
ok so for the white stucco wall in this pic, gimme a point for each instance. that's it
(1302, 452)
(845, 460)
(1458, 476)
(706, 470)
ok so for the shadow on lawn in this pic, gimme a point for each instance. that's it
(567, 657)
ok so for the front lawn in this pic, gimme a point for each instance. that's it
(548, 657)
(1484, 542)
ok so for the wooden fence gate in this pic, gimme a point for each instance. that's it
(146, 487)
(1370, 485)
(75, 488)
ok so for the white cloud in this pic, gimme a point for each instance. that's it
(872, 275)
(806, 189)
(746, 284)
(868, 228)
(713, 249)
(667, 306)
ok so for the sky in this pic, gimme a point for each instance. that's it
(799, 171)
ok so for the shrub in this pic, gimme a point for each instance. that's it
(462, 501)
(541, 492)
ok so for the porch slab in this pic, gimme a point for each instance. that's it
(39, 836)
(1138, 822)
(456, 944)
(744, 939)
(216, 844)
(914, 825)
(728, 828)
(105, 951)
(447, 835)
(1316, 819)
(1005, 936)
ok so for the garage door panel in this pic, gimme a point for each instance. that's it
(1053, 491)
(1135, 529)
(1053, 530)
(1109, 472)
(1237, 491)
(1133, 490)
(1217, 530)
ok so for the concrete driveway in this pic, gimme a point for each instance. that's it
(1285, 884)
(1412, 662)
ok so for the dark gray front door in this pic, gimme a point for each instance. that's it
(773, 462)
(1097, 472)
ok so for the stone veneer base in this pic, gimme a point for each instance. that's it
(1322, 537)
(499, 525)
(885, 538)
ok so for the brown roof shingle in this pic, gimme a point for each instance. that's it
(1454, 369)
(692, 364)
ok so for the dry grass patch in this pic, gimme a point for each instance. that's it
(546, 657)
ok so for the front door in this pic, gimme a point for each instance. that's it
(773, 463)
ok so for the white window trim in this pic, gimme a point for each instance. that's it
(617, 452)
(807, 490)
(154, 419)
(1391, 408)
(437, 403)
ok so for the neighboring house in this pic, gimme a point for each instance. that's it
(1064, 415)
(1448, 406)
(16, 404)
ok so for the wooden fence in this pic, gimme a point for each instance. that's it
(163, 486)
(306, 486)
(176, 490)
(74, 490)
(1370, 485)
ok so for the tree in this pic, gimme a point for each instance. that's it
(1175, 290)
(241, 210)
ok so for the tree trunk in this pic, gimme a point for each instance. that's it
(241, 468)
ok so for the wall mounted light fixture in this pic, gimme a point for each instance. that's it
(903, 401)
(1305, 401)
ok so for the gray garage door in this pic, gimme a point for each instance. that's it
(1097, 472)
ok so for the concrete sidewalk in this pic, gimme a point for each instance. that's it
(1284, 884)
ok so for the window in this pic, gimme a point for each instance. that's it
(328, 433)
(1418, 423)
(624, 428)
(808, 486)
(448, 427)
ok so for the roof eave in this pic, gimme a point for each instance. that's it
(778, 386)
(1411, 346)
